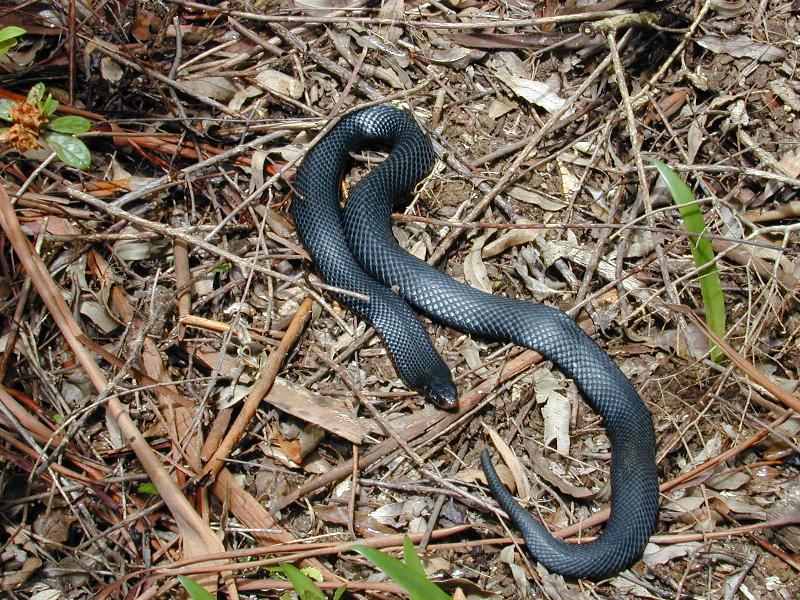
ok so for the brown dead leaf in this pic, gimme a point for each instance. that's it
(13, 579)
(661, 555)
(728, 481)
(544, 468)
(474, 268)
(456, 57)
(523, 486)
(54, 525)
(364, 523)
(329, 413)
(144, 24)
(741, 46)
(509, 239)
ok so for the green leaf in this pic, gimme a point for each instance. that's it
(302, 584)
(6, 46)
(8, 38)
(702, 252)
(70, 124)
(11, 33)
(148, 488)
(50, 106)
(411, 557)
(417, 586)
(312, 573)
(194, 589)
(70, 149)
(339, 592)
(36, 93)
(5, 109)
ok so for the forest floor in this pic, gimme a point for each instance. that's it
(177, 382)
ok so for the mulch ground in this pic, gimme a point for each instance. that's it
(177, 382)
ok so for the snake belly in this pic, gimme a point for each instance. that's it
(354, 250)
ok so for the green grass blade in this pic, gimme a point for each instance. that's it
(702, 252)
(194, 589)
(302, 583)
(417, 586)
(411, 558)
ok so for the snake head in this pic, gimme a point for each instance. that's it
(442, 392)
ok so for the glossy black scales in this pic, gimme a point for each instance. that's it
(356, 251)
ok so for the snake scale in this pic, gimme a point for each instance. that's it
(354, 250)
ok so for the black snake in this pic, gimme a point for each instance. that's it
(354, 250)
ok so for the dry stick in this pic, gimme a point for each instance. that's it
(376, 96)
(422, 24)
(350, 81)
(387, 429)
(183, 281)
(177, 178)
(641, 95)
(26, 419)
(789, 210)
(34, 452)
(601, 516)
(243, 505)
(351, 502)
(511, 147)
(167, 391)
(775, 551)
(195, 532)
(257, 585)
(746, 366)
(396, 540)
(559, 226)
(633, 134)
(746, 257)
(306, 551)
(255, 38)
(510, 172)
(301, 551)
(440, 500)
(13, 330)
(177, 85)
(599, 249)
(262, 387)
(466, 404)
(174, 233)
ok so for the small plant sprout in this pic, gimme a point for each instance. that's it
(702, 252)
(32, 126)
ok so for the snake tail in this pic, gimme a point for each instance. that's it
(355, 250)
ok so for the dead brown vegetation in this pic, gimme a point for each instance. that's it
(181, 396)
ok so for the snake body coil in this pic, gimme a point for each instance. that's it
(355, 251)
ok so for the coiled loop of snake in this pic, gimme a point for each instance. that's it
(355, 250)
